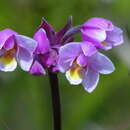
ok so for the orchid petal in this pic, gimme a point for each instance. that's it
(67, 55)
(49, 30)
(43, 42)
(115, 37)
(24, 58)
(100, 23)
(49, 59)
(37, 69)
(96, 35)
(82, 60)
(26, 42)
(96, 43)
(10, 42)
(90, 80)
(4, 35)
(88, 48)
(101, 63)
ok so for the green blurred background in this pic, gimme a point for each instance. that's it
(25, 101)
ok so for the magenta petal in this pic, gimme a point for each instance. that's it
(97, 35)
(115, 37)
(43, 42)
(24, 58)
(26, 42)
(37, 69)
(99, 23)
(88, 48)
(96, 43)
(101, 63)
(49, 30)
(65, 63)
(67, 55)
(90, 80)
(10, 42)
(49, 59)
(71, 49)
(82, 60)
(4, 35)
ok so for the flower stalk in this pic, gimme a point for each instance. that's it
(55, 100)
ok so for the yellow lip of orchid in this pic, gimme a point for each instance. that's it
(8, 61)
(74, 74)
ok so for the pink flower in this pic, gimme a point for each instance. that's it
(102, 33)
(82, 63)
(49, 42)
(15, 48)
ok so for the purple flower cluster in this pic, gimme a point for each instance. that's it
(58, 52)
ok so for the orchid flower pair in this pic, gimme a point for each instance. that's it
(80, 61)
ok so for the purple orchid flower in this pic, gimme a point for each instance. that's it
(102, 33)
(49, 42)
(43, 48)
(82, 63)
(15, 48)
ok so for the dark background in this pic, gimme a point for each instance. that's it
(25, 102)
